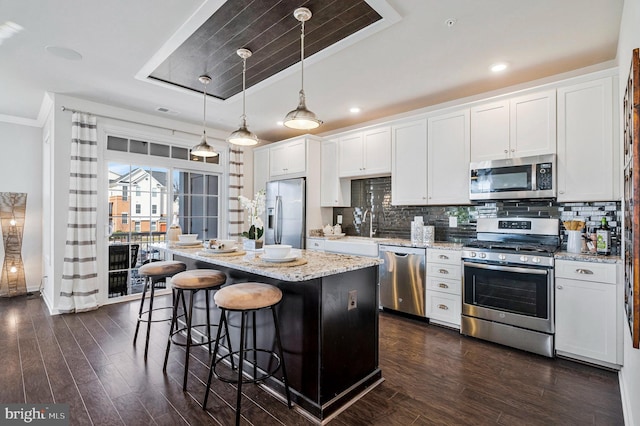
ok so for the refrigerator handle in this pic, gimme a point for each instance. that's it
(277, 233)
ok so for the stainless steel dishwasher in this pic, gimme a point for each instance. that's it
(403, 279)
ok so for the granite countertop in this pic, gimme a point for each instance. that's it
(587, 257)
(319, 264)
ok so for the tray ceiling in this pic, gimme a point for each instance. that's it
(269, 30)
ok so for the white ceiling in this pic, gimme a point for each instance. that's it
(416, 61)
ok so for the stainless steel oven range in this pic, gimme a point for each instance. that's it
(507, 291)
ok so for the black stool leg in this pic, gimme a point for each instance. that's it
(146, 343)
(186, 359)
(208, 319)
(240, 364)
(177, 295)
(144, 292)
(255, 346)
(279, 342)
(223, 318)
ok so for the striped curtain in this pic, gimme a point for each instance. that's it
(79, 272)
(236, 185)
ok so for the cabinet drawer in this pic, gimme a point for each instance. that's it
(444, 307)
(444, 256)
(445, 285)
(586, 271)
(315, 244)
(443, 270)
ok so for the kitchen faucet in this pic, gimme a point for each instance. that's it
(364, 217)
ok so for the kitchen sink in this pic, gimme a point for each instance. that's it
(360, 246)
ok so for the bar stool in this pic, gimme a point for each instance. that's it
(246, 298)
(153, 272)
(192, 281)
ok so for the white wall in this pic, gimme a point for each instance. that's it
(630, 373)
(21, 171)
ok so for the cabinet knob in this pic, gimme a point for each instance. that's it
(560, 192)
(559, 287)
(443, 256)
(443, 307)
(584, 271)
(443, 285)
(513, 150)
(506, 151)
(443, 271)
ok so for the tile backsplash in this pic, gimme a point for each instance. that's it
(395, 221)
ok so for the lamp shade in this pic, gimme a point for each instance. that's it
(203, 149)
(301, 117)
(243, 136)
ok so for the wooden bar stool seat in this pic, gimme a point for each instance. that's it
(192, 281)
(247, 298)
(154, 272)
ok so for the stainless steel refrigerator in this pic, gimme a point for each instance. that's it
(285, 205)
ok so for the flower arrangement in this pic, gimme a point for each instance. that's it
(255, 208)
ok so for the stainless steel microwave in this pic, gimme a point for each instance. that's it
(513, 178)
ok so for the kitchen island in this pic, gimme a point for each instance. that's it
(328, 321)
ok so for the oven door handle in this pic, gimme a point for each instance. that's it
(507, 268)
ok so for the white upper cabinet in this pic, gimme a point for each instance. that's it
(448, 158)
(517, 127)
(409, 163)
(490, 131)
(365, 153)
(588, 164)
(288, 158)
(334, 192)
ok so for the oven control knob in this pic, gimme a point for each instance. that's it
(483, 255)
(472, 254)
(502, 256)
(536, 260)
(523, 258)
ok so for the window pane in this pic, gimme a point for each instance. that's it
(179, 153)
(117, 144)
(212, 185)
(212, 160)
(197, 227)
(211, 227)
(139, 147)
(159, 150)
(211, 206)
(197, 205)
(197, 183)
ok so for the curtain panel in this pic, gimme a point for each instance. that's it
(79, 274)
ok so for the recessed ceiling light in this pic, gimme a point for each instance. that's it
(167, 110)
(354, 110)
(500, 66)
(64, 53)
(9, 29)
(450, 22)
(280, 123)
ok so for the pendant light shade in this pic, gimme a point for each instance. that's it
(301, 117)
(243, 136)
(203, 149)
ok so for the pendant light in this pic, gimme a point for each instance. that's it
(301, 117)
(243, 136)
(203, 149)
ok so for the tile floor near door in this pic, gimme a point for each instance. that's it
(432, 375)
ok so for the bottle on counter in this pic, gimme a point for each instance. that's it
(173, 232)
(603, 238)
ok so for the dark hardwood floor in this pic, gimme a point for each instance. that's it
(433, 375)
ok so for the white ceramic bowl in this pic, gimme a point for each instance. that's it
(188, 238)
(277, 251)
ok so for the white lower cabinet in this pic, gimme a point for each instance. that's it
(444, 287)
(588, 315)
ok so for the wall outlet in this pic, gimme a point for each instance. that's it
(453, 221)
(339, 219)
(353, 300)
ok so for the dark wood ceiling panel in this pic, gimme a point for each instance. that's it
(269, 30)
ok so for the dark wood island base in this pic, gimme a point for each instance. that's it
(328, 325)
